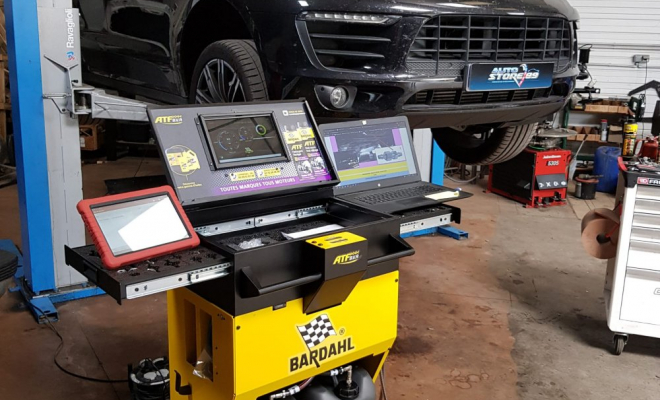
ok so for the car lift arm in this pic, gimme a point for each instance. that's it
(83, 99)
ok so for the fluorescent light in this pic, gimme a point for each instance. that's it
(456, 5)
(352, 18)
(303, 3)
(413, 9)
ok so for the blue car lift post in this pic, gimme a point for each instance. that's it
(47, 149)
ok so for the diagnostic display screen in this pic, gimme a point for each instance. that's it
(243, 141)
(140, 224)
(370, 153)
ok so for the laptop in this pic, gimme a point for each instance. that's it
(377, 166)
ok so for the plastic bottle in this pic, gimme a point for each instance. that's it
(604, 134)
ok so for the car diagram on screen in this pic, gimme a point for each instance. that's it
(359, 150)
(389, 154)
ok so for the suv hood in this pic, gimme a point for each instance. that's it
(556, 8)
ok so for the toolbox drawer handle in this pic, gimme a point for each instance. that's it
(403, 250)
(255, 288)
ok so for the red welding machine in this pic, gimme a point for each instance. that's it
(536, 178)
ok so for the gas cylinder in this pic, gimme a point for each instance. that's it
(649, 148)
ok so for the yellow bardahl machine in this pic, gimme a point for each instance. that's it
(293, 293)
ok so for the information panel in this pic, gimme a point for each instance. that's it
(231, 150)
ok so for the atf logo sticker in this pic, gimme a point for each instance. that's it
(170, 120)
(648, 181)
(517, 75)
(348, 258)
(315, 334)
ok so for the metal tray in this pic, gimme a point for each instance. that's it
(419, 214)
(152, 276)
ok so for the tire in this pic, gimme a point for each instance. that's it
(229, 62)
(619, 344)
(501, 145)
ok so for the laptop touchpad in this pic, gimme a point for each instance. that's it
(414, 200)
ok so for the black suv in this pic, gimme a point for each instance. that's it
(481, 74)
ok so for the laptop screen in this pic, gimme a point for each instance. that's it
(373, 152)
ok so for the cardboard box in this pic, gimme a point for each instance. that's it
(91, 137)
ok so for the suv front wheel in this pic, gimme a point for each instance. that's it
(491, 147)
(228, 71)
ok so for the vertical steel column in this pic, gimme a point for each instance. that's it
(60, 65)
(30, 140)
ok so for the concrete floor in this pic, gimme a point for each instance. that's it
(514, 312)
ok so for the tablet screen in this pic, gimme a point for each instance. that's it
(140, 224)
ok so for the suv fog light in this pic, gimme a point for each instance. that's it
(338, 97)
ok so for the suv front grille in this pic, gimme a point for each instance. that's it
(460, 97)
(458, 40)
(349, 46)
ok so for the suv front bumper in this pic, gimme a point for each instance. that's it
(378, 99)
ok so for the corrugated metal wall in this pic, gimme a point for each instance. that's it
(618, 30)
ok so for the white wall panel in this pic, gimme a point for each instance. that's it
(618, 30)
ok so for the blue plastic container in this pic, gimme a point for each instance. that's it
(606, 164)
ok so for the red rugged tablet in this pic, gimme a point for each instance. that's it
(132, 227)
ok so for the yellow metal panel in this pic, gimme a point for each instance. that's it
(271, 352)
(335, 240)
(222, 386)
(254, 354)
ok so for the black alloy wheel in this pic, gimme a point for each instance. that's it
(228, 71)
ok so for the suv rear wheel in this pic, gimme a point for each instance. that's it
(491, 147)
(228, 71)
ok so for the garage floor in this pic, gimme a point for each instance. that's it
(516, 311)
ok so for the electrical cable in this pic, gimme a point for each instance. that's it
(448, 162)
(144, 154)
(61, 346)
(151, 392)
(646, 80)
(383, 391)
(460, 181)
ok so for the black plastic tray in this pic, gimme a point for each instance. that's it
(152, 276)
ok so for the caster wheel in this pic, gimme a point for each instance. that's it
(619, 344)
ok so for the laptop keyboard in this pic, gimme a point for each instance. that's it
(394, 195)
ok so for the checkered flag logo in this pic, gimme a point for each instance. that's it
(317, 331)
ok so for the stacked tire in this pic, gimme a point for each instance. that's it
(8, 267)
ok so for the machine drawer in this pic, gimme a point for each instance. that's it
(647, 206)
(648, 193)
(646, 221)
(428, 218)
(152, 276)
(641, 297)
(645, 235)
(644, 255)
